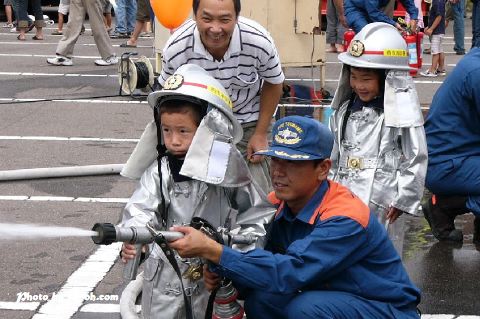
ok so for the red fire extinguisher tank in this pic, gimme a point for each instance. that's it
(420, 49)
(411, 40)
(347, 38)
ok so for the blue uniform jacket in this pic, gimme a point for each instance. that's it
(453, 122)
(334, 243)
(361, 12)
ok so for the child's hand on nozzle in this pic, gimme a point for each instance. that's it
(129, 251)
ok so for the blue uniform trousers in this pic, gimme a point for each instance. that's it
(459, 176)
(319, 304)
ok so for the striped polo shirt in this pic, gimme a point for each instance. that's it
(250, 58)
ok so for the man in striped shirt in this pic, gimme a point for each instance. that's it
(242, 56)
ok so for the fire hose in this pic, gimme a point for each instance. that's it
(223, 302)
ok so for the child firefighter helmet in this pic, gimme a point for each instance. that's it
(191, 83)
(378, 45)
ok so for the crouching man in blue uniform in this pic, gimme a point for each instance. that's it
(453, 139)
(326, 256)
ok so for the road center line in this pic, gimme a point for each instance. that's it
(70, 139)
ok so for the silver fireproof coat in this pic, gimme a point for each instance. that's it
(383, 155)
(244, 206)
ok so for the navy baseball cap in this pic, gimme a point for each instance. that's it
(299, 138)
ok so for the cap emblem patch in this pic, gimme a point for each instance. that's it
(288, 133)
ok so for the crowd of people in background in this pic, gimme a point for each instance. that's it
(130, 23)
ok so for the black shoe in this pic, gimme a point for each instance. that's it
(460, 52)
(441, 223)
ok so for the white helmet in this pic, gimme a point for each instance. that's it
(190, 82)
(378, 45)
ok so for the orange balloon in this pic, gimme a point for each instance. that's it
(171, 13)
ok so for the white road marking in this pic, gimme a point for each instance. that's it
(50, 55)
(63, 199)
(70, 139)
(13, 305)
(336, 80)
(72, 295)
(74, 101)
(55, 44)
(59, 74)
(104, 308)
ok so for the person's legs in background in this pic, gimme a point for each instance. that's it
(8, 14)
(331, 26)
(476, 24)
(67, 43)
(39, 22)
(63, 9)
(441, 59)
(142, 17)
(94, 10)
(436, 49)
(131, 11)
(23, 19)
(120, 20)
(107, 16)
(459, 26)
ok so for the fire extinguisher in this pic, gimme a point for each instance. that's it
(420, 49)
(411, 39)
(347, 38)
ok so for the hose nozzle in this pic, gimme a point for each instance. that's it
(108, 233)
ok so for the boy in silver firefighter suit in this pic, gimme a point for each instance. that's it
(202, 175)
(326, 255)
(380, 149)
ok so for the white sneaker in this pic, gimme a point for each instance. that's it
(111, 60)
(60, 60)
(428, 74)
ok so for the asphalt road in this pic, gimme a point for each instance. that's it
(75, 128)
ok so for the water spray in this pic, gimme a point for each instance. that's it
(29, 231)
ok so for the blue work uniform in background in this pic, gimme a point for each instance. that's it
(331, 260)
(359, 13)
(453, 134)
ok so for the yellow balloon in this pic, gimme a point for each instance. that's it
(171, 13)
